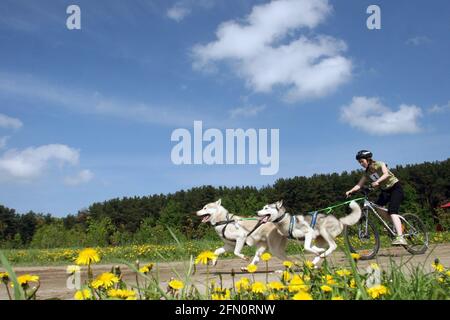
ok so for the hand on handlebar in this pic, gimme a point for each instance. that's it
(366, 189)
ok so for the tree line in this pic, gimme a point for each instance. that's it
(144, 219)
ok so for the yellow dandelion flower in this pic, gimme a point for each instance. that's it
(374, 266)
(326, 288)
(343, 272)
(4, 277)
(105, 280)
(258, 287)
(441, 280)
(355, 256)
(176, 284)
(276, 285)
(286, 276)
(302, 295)
(146, 269)
(205, 257)
(266, 256)
(447, 273)
(329, 279)
(309, 264)
(337, 298)
(221, 294)
(87, 256)
(122, 294)
(377, 291)
(288, 264)
(252, 268)
(352, 283)
(242, 284)
(297, 284)
(24, 279)
(84, 294)
(272, 296)
(73, 269)
(438, 267)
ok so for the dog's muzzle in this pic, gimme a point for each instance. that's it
(205, 218)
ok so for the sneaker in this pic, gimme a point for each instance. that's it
(399, 241)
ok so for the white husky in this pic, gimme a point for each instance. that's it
(324, 229)
(236, 232)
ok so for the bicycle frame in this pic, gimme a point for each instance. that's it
(372, 206)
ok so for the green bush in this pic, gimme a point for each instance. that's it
(54, 235)
(99, 232)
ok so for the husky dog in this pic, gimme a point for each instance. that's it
(324, 229)
(236, 232)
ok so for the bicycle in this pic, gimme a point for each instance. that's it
(363, 238)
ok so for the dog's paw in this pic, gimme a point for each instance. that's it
(214, 262)
(243, 257)
(319, 250)
(244, 269)
(316, 261)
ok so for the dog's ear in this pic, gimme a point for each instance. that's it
(218, 202)
(279, 204)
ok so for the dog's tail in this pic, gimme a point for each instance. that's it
(353, 217)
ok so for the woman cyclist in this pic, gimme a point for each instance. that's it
(391, 189)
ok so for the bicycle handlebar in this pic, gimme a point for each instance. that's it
(364, 190)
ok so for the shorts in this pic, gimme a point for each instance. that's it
(394, 196)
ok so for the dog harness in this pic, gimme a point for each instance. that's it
(292, 226)
(228, 221)
(314, 218)
(292, 223)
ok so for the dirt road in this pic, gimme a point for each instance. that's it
(53, 279)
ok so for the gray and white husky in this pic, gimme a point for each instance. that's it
(324, 231)
(236, 232)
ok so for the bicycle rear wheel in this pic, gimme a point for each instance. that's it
(415, 234)
(362, 238)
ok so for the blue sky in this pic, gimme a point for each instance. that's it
(87, 115)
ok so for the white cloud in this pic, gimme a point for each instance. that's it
(183, 8)
(417, 41)
(9, 123)
(178, 12)
(81, 177)
(247, 111)
(371, 116)
(31, 162)
(308, 67)
(439, 109)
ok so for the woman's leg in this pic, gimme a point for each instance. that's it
(397, 224)
(394, 207)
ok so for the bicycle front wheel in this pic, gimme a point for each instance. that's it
(415, 234)
(362, 238)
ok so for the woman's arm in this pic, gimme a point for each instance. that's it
(385, 175)
(360, 184)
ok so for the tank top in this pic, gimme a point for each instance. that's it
(374, 172)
